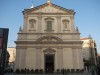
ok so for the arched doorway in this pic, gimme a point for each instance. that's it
(49, 60)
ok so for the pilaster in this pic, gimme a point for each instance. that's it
(38, 58)
(58, 24)
(80, 59)
(21, 59)
(39, 23)
(25, 23)
(75, 59)
(72, 24)
(59, 58)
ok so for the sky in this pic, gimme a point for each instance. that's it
(87, 16)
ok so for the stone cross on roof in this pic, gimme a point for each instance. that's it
(32, 5)
(48, 1)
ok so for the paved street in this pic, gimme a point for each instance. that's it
(55, 74)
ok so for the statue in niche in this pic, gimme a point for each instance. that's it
(32, 23)
(65, 23)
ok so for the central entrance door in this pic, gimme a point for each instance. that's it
(49, 63)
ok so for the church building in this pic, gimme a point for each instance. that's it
(48, 39)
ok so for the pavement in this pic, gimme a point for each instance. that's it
(85, 73)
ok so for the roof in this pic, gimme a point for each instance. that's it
(85, 38)
(46, 4)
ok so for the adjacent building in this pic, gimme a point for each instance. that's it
(99, 58)
(12, 53)
(89, 52)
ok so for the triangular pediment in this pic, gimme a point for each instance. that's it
(49, 8)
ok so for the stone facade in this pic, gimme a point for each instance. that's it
(48, 33)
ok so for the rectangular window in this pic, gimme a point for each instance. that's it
(49, 25)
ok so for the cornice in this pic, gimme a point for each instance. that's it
(61, 47)
(51, 13)
(46, 4)
(50, 33)
(48, 42)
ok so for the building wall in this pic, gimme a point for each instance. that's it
(32, 44)
(42, 26)
(64, 58)
(12, 52)
(89, 50)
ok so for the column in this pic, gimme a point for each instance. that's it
(60, 58)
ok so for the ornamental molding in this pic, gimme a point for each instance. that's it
(49, 39)
(49, 18)
(39, 41)
(58, 17)
(51, 13)
(50, 33)
(49, 51)
(58, 47)
(37, 8)
(39, 16)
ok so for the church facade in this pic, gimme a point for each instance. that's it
(48, 39)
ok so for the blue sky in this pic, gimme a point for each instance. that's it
(87, 16)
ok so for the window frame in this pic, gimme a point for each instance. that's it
(52, 22)
(49, 26)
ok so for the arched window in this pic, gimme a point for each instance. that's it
(65, 24)
(32, 23)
